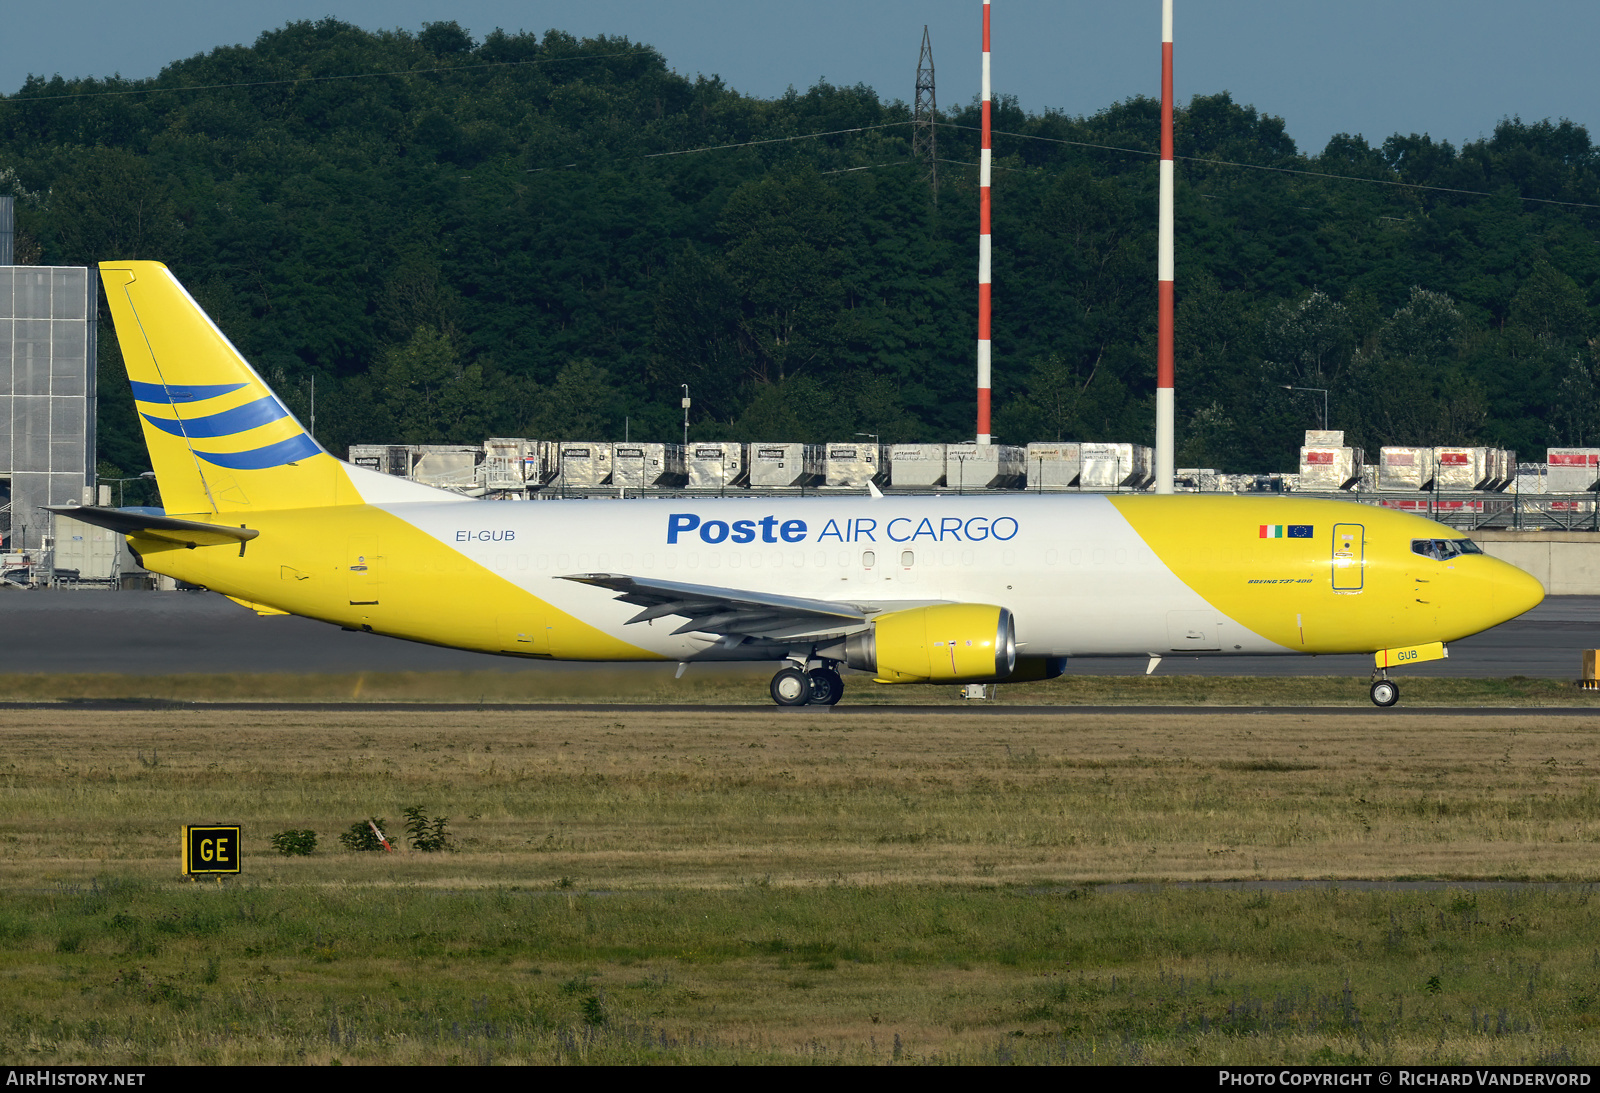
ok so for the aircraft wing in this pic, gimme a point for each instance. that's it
(730, 611)
(148, 525)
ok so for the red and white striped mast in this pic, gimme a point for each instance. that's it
(983, 248)
(1164, 270)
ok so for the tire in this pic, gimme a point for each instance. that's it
(827, 687)
(1385, 693)
(790, 687)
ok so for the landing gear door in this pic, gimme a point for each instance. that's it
(1349, 557)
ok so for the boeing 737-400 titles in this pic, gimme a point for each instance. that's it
(992, 588)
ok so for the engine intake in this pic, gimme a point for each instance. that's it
(945, 643)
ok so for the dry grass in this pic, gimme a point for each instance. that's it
(747, 685)
(766, 886)
(713, 799)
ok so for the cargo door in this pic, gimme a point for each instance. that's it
(364, 574)
(1349, 557)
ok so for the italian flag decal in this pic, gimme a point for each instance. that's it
(1286, 531)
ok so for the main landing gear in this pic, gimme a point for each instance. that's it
(1385, 691)
(795, 686)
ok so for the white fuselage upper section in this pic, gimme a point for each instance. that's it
(1077, 577)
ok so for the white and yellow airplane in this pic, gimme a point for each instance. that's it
(923, 589)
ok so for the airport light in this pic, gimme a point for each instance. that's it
(1316, 390)
(685, 387)
(120, 481)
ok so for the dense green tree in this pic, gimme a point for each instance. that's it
(459, 236)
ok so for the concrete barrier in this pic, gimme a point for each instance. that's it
(1567, 563)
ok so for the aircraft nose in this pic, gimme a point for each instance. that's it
(1515, 591)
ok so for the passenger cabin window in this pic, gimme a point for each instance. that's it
(1444, 549)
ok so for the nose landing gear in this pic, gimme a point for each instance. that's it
(1385, 691)
(794, 686)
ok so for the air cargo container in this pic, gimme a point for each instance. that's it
(392, 459)
(506, 461)
(1195, 480)
(1256, 483)
(448, 466)
(1572, 470)
(1530, 479)
(1054, 466)
(1505, 468)
(785, 465)
(916, 466)
(584, 464)
(983, 466)
(1405, 468)
(1109, 466)
(851, 464)
(1456, 468)
(86, 552)
(643, 466)
(715, 465)
(1329, 467)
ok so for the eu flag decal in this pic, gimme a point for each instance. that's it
(1287, 531)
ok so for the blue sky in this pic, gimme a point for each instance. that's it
(1451, 68)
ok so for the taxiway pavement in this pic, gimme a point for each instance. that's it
(166, 633)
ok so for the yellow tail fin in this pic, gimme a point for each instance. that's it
(219, 439)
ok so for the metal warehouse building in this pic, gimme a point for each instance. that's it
(47, 392)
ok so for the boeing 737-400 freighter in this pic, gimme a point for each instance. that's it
(914, 589)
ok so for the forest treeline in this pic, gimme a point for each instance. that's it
(520, 235)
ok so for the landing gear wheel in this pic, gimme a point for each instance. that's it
(827, 688)
(1385, 693)
(791, 687)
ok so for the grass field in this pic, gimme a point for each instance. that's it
(706, 684)
(756, 886)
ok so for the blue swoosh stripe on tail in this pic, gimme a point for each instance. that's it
(190, 392)
(227, 423)
(259, 459)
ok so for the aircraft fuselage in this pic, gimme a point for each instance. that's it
(1083, 575)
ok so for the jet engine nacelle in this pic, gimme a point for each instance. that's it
(946, 643)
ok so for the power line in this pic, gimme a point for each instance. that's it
(868, 167)
(1279, 170)
(744, 144)
(775, 140)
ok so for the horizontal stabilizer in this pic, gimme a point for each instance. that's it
(152, 525)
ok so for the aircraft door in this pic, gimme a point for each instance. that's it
(1349, 557)
(364, 574)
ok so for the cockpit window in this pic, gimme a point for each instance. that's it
(1444, 549)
